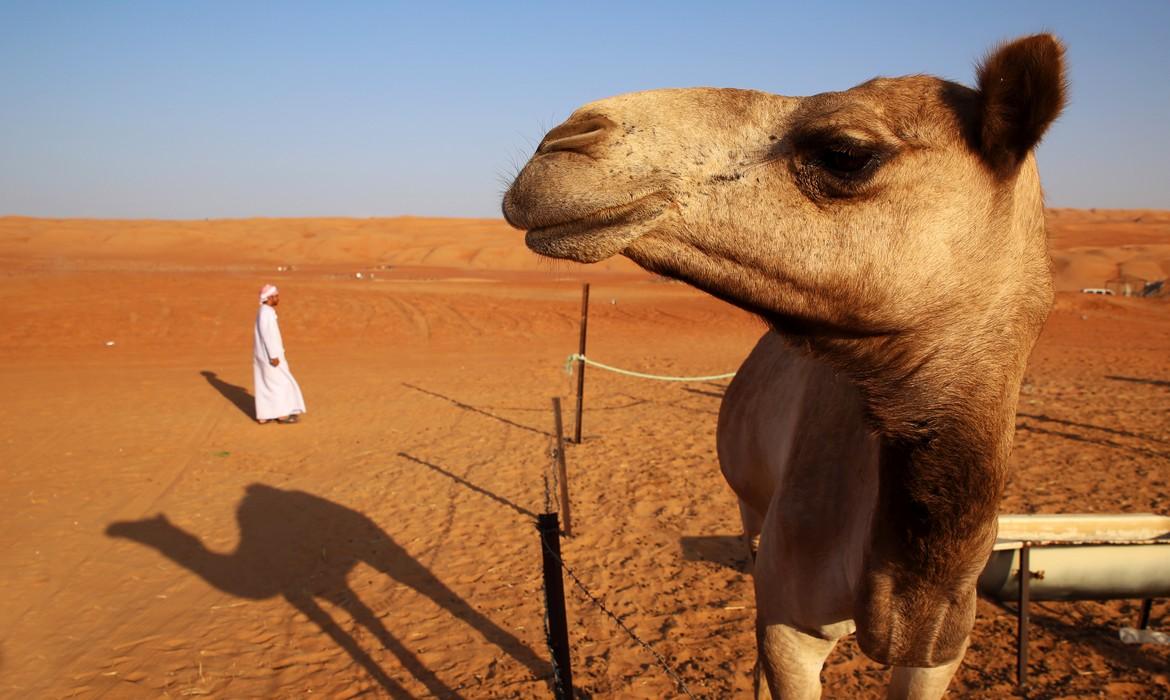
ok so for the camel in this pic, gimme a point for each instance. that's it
(892, 238)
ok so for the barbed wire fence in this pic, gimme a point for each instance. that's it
(555, 624)
(682, 686)
(555, 479)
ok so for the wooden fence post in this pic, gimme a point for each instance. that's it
(581, 359)
(562, 471)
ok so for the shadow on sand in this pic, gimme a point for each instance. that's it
(238, 395)
(1060, 620)
(728, 550)
(1139, 380)
(480, 411)
(302, 547)
(715, 391)
(1091, 440)
(1090, 426)
(470, 486)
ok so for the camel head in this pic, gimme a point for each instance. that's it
(145, 530)
(845, 214)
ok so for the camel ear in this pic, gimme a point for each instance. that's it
(1022, 89)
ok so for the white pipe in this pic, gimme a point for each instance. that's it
(1081, 557)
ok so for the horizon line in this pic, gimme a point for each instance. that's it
(259, 217)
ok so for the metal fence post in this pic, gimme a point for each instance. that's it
(554, 600)
(1022, 633)
(1144, 616)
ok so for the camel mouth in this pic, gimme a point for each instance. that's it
(598, 235)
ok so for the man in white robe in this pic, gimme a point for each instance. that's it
(278, 397)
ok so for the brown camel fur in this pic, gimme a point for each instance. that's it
(893, 236)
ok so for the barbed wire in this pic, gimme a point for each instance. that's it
(551, 480)
(547, 493)
(617, 620)
(552, 653)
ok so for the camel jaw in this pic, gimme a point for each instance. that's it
(593, 237)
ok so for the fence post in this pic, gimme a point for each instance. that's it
(562, 471)
(554, 603)
(1143, 616)
(1023, 603)
(581, 360)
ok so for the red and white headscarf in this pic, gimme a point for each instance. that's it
(268, 290)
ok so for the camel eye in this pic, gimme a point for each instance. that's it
(845, 161)
(833, 165)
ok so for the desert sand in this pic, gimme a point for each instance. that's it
(156, 542)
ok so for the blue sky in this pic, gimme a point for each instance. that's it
(206, 109)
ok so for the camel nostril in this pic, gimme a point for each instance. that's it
(574, 135)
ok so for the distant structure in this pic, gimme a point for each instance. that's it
(1126, 285)
(1157, 288)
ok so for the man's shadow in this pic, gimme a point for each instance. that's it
(238, 395)
(302, 547)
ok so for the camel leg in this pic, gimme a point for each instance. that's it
(923, 683)
(305, 603)
(364, 616)
(791, 661)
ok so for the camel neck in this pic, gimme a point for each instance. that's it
(945, 432)
(946, 424)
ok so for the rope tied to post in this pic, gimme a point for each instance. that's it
(641, 375)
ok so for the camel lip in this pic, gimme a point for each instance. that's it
(549, 239)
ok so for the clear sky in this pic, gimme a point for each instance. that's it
(174, 109)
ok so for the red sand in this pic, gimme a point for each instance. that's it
(402, 505)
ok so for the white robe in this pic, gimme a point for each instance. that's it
(277, 393)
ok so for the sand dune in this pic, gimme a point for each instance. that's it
(474, 244)
(1088, 246)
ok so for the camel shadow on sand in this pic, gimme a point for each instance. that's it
(238, 395)
(302, 547)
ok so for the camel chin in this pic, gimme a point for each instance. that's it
(583, 246)
(598, 236)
